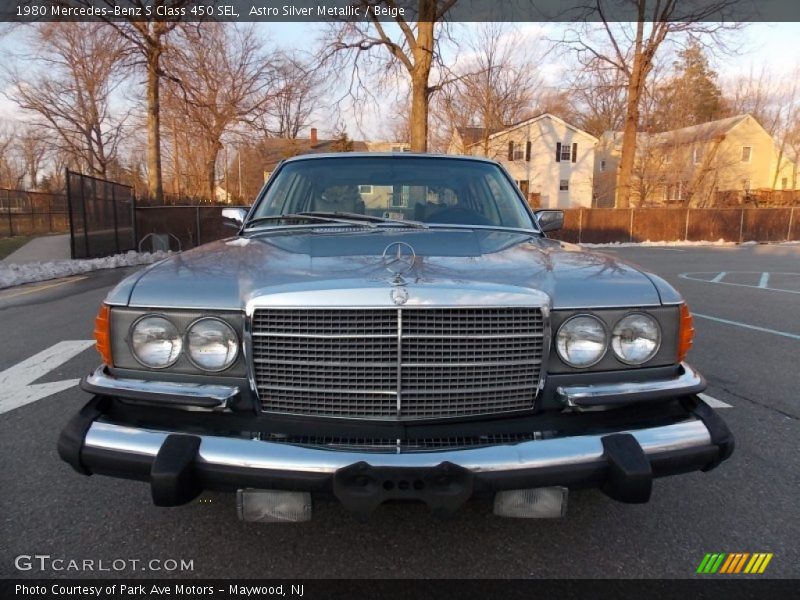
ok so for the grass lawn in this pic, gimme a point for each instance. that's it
(8, 245)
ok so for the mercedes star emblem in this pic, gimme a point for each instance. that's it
(399, 258)
(399, 295)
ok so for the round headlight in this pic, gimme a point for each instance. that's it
(636, 339)
(581, 341)
(212, 344)
(155, 342)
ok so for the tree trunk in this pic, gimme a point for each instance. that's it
(419, 113)
(628, 157)
(420, 93)
(636, 81)
(211, 170)
(154, 182)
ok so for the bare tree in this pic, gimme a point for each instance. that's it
(598, 92)
(70, 96)
(224, 77)
(497, 85)
(298, 91)
(414, 50)
(12, 169)
(147, 37)
(631, 48)
(33, 148)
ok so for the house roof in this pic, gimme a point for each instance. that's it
(525, 123)
(472, 135)
(274, 150)
(703, 132)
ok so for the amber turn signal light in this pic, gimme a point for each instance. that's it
(685, 332)
(102, 333)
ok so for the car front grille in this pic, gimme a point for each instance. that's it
(407, 363)
(377, 444)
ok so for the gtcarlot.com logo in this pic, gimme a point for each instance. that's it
(734, 563)
(46, 562)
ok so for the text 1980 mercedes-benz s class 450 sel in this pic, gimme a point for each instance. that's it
(393, 327)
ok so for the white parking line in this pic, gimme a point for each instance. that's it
(793, 336)
(16, 383)
(763, 283)
(713, 402)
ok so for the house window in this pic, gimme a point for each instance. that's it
(566, 152)
(365, 189)
(675, 192)
(697, 155)
(400, 196)
(602, 166)
(747, 151)
(519, 153)
(563, 185)
(784, 183)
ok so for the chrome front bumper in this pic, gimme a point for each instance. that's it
(606, 395)
(179, 465)
(287, 458)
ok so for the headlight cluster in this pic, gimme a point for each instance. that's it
(211, 344)
(583, 340)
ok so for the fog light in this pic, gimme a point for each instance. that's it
(535, 503)
(273, 506)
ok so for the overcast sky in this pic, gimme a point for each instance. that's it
(771, 45)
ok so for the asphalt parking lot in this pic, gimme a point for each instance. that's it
(747, 306)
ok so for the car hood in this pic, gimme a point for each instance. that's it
(226, 274)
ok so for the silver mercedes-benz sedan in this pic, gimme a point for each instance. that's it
(393, 327)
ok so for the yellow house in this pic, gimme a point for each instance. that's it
(713, 163)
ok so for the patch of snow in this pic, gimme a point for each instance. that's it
(17, 274)
(649, 244)
(238, 242)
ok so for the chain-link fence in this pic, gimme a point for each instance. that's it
(32, 213)
(102, 216)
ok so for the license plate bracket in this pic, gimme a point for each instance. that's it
(361, 487)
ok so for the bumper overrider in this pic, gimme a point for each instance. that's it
(620, 457)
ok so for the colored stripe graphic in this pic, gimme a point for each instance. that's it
(734, 563)
(717, 563)
(729, 563)
(741, 563)
(703, 563)
(765, 563)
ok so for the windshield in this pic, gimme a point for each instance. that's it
(440, 190)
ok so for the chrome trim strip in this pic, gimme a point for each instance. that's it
(256, 454)
(203, 395)
(599, 394)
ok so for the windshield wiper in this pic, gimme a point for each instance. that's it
(369, 218)
(321, 217)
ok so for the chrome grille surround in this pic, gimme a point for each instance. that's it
(439, 356)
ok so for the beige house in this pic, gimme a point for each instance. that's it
(551, 160)
(704, 165)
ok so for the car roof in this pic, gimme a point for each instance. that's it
(397, 155)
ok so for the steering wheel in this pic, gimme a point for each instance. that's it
(457, 215)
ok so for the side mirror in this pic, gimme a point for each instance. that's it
(234, 217)
(550, 220)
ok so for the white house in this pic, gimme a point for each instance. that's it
(551, 160)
